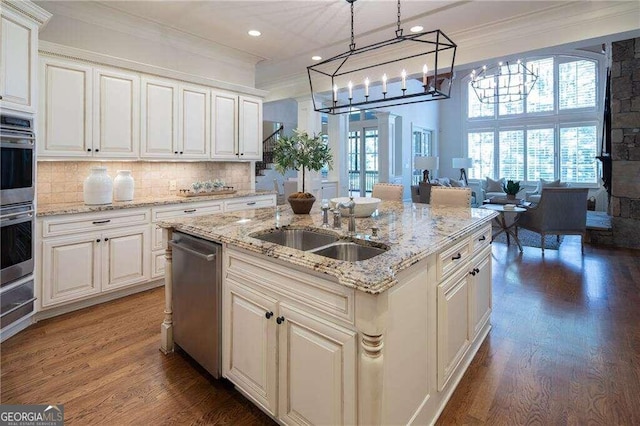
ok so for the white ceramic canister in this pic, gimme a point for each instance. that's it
(98, 187)
(123, 186)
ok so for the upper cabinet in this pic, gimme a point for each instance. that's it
(19, 54)
(236, 123)
(90, 111)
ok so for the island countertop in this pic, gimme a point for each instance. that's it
(412, 231)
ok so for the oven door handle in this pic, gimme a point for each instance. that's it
(15, 308)
(17, 217)
(5, 136)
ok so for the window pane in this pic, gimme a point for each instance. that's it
(509, 82)
(578, 147)
(481, 151)
(512, 154)
(477, 108)
(541, 96)
(577, 85)
(540, 154)
(421, 147)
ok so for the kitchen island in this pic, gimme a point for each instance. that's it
(311, 339)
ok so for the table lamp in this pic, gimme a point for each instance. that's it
(425, 163)
(462, 164)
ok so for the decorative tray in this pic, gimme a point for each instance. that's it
(188, 193)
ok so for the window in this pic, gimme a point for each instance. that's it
(552, 134)
(421, 146)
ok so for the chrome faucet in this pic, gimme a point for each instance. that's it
(351, 205)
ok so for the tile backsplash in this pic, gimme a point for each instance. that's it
(61, 181)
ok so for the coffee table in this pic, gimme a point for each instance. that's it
(508, 229)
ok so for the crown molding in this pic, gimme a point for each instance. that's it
(55, 50)
(95, 13)
(30, 9)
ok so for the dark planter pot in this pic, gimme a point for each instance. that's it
(511, 196)
(301, 205)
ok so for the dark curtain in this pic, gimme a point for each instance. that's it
(605, 149)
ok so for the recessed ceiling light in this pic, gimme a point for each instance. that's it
(316, 58)
(255, 33)
(416, 29)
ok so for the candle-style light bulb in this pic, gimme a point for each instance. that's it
(366, 87)
(425, 69)
(404, 79)
(384, 83)
(350, 85)
(335, 93)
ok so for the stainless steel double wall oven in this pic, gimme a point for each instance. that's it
(17, 217)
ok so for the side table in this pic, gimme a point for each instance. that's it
(508, 229)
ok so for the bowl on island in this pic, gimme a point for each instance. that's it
(365, 206)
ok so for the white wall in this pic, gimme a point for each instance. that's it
(451, 141)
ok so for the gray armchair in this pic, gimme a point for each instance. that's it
(561, 211)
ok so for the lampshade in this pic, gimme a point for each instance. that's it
(462, 163)
(426, 163)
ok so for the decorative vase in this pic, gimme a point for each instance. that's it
(301, 205)
(511, 196)
(98, 187)
(123, 186)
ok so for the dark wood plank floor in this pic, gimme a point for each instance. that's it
(564, 349)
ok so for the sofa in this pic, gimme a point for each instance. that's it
(421, 193)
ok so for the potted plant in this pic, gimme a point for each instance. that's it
(511, 188)
(305, 152)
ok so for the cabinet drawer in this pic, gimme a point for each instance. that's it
(70, 224)
(249, 203)
(185, 209)
(480, 239)
(451, 258)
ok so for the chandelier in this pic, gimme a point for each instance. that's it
(501, 83)
(403, 70)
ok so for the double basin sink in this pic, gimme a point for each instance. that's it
(322, 244)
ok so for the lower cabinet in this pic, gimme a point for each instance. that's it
(298, 367)
(88, 264)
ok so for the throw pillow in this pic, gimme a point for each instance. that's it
(547, 184)
(457, 183)
(444, 181)
(495, 185)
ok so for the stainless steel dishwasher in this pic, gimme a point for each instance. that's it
(197, 304)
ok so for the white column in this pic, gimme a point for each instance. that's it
(386, 135)
(309, 121)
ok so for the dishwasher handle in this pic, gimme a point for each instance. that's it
(208, 257)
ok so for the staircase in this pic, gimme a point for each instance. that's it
(267, 152)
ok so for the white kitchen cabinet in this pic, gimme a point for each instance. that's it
(236, 123)
(85, 265)
(65, 109)
(159, 115)
(250, 203)
(250, 128)
(480, 290)
(272, 343)
(19, 24)
(193, 122)
(317, 370)
(116, 114)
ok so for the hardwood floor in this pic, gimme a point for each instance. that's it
(564, 349)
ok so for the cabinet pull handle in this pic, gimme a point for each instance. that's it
(280, 320)
(482, 238)
(473, 273)
(242, 153)
(268, 315)
(476, 270)
(175, 152)
(98, 240)
(180, 152)
(98, 222)
(97, 150)
(456, 257)
(88, 149)
(190, 211)
(106, 239)
(252, 203)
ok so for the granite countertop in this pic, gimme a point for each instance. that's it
(412, 232)
(73, 208)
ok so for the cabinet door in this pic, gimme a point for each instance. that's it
(70, 268)
(194, 122)
(453, 325)
(317, 370)
(329, 190)
(249, 346)
(224, 126)
(66, 109)
(125, 257)
(250, 130)
(480, 293)
(159, 119)
(18, 61)
(116, 109)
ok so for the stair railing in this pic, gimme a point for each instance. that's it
(267, 149)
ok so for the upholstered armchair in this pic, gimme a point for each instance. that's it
(561, 211)
(534, 196)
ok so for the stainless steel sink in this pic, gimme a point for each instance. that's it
(349, 251)
(300, 239)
